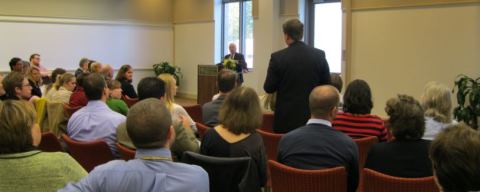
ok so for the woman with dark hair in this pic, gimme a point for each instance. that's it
(125, 75)
(235, 136)
(23, 167)
(407, 155)
(356, 120)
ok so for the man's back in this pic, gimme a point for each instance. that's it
(210, 111)
(318, 146)
(156, 174)
(293, 73)
(95, 121)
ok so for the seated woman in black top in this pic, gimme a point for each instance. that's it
(125, 75)
(407, 155)
(235, 136)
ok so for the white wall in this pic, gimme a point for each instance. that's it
(194, 45)
(62, 42)
(400, 50)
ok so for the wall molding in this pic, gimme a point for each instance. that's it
(51, 20)
(387, 4)
(193, 21)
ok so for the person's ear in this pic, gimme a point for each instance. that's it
(334, 112)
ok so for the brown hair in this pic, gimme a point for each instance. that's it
(114, 84)
(11, 81)
(455, 155)
(122, 71)
(241, 111)
(406, 118)
(294, 29)
(148, 122)
(16, 121)
(227, 80)
(336, 81)
(62, 80)
(322, 100)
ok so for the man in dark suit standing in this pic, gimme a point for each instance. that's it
(293, 72)
(241, 64)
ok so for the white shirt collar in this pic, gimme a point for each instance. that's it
(319, 121)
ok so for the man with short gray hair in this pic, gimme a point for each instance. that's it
(149, 124)
(318, 145)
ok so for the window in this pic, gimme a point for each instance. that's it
(325, 30)
(237, 27)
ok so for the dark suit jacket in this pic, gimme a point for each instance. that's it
(401, 158)
(317, 146)
(241, 64)
(210, 111)
(293, 72)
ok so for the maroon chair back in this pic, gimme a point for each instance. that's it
(195, 112)
(202, 129)
(270, 140)
(70, 110)
(267, 124)
(89, 154)
(287, 179)
(129, 101)
(50, 143)
(126, 152)
(379, 182)
(364, 144)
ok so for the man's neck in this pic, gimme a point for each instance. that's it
(322, 118)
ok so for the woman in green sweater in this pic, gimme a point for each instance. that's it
(115, 101)
(23, 167)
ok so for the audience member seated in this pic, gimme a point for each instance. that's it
(95, 67)
(82, 67)
(78, 97)
(62, 89)
(407, 155)
(55, 73)
(235, 136)
(176, 110)
(35, 61)
(24, 168)
(16, 64)
(107, 72)
(455, 154)
(226, 81)
(152, 87)
(318, 145)
(35, 80)
(16, 86)
(437, 103)
(95, 121)
(115, 101)
(125, 75)
(337, 82)
(356, 120)
(149, 125)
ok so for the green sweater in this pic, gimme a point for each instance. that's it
(118, 106)
(38, 171)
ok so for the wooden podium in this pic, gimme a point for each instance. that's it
(207, 83)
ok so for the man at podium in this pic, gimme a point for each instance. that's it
(235, 61)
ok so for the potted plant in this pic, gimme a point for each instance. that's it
(165, 67)
(468, 98)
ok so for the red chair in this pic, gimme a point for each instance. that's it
(364, 144)
(129, 101)
(270, 140)
(126, 152)
(70, 110)
(202, 129)
(267, 122)
(195, 112)
(89, 154)
(50, 143)
(287, 179)
(379, 182)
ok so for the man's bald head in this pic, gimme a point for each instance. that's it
(323, 100)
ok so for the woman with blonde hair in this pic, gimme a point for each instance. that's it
(63, 88)
(437, 103)
(24, 168)
(235, 136)
(176, 110)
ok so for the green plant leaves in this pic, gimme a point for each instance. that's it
(468, 89)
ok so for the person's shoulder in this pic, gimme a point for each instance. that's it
(114, 165)
(295, 134)
(196, 174)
